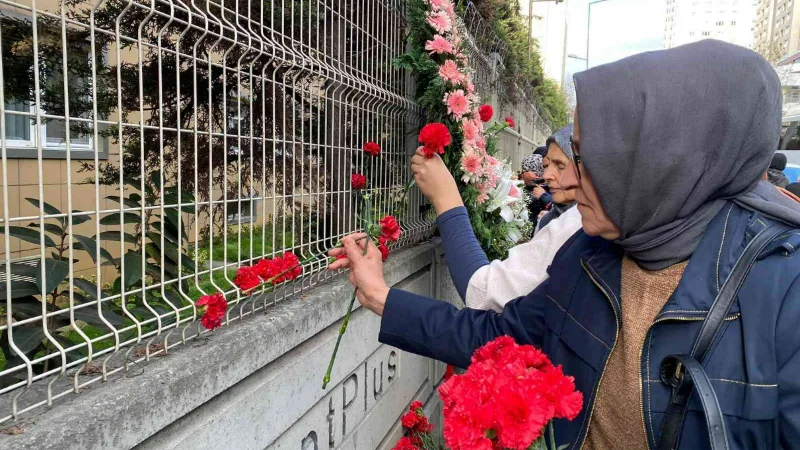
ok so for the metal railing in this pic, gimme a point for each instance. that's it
(152, 147)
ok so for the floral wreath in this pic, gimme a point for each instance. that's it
(492, 195)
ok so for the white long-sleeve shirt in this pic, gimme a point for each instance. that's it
(494, 285)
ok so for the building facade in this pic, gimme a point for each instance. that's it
(693, 20)
(777, 27)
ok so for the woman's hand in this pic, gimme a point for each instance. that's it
(538, 192)
(529, 177)
(435, 182)
(366, 271)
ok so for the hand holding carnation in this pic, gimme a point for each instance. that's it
(434, 137)
(366, 273)
(435, 181)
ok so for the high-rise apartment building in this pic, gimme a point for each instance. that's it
(777, 27)
(693, 20)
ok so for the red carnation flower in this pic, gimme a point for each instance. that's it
(213, 309)
(415, 421)
(527, 392)
(390, 229)
(358, 181)
(383, 248)
(267, 269)
(291, 266)
(246, 278)
(485, 112)
(405, 444)
(410, 420)
(510, 122)
(561, 392)
(372, 148)
(448, 372)
(434, 137)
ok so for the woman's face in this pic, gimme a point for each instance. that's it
(555, 164)
(593, 216)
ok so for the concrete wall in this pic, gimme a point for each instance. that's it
(258, 385)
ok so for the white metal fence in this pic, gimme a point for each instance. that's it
(152, 147)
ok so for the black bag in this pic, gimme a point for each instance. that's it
(685, 371)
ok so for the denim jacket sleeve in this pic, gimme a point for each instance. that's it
(787, 343)
(439, 330)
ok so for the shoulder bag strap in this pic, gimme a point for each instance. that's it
(683, 372)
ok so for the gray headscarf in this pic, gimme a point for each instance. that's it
(669, 136)
(561, 139)
(533, 163)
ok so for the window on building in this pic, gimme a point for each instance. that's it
(21, 130)
(20, 110)
(733, 22)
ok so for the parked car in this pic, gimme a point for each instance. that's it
(792, 172)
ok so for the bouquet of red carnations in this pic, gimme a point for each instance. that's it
(505, 400)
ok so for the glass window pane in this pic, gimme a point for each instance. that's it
(55, 131)
(18, 127)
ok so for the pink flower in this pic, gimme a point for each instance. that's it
(480, 143)
(441, 5)
(470, 87)
(439, 45)
(457, 103)
(513, 192)
(470, 129)
(481, 198)
(440, 22)
(493, 178)
(449, 72)
(470, 163)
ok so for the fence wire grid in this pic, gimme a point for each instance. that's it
(152, 147)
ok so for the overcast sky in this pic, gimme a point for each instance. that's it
(619, 28)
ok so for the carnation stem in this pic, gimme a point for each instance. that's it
(342, 330)
(407, 188)
(552, 430)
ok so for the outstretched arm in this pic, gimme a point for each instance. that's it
(433, 328)
(461, 247)
(439, 330)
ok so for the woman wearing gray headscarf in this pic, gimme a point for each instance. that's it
(556, 161)
(669, 148)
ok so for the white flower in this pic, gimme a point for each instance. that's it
(500, 198)
(514, 234)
